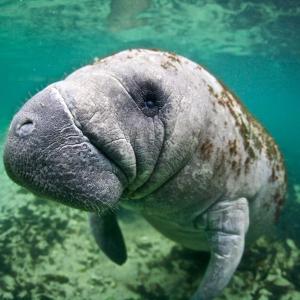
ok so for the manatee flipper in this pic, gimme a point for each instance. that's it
(109, 237)
(227, 223)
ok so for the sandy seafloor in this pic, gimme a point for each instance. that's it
(47, 252)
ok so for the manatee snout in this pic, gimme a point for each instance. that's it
(47, 153)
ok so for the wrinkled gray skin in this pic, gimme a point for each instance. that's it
(158, 134)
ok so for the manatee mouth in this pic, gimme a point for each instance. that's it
(47, 153)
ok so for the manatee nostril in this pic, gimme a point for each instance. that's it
(25, 128)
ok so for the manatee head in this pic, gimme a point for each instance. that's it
(47, 153)
(118, 128)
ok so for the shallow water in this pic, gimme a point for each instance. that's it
(252, 46)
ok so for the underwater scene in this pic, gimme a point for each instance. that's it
(47, 250)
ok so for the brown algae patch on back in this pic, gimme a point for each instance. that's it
(232, 145)
(211, 91)
(256, 142)
(171, 60)
(254, 139)
(254, 135)
(173, 57)
(206, 149)
(167, 65)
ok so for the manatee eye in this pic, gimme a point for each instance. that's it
(153, 98)
(150, 103)
(150, 100)
(149, 95)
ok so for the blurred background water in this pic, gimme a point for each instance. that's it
(252, 46)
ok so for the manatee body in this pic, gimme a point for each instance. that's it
(157, 133)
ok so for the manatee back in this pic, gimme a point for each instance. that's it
(205, 127)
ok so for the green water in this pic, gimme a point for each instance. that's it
(252, 46)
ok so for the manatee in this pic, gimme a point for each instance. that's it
(158, 134)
